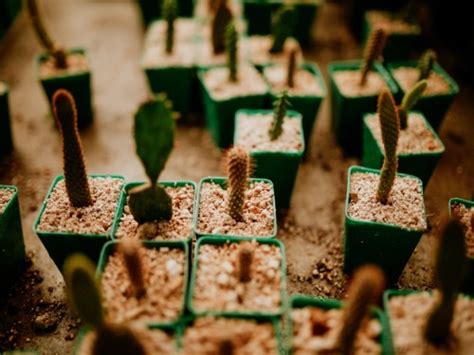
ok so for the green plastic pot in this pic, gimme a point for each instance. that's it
(434, 107)
(62, 244)
(151, 9)
(6, 141)
(268, 163)
(220, 114)
(347, 111)
(302, 301)
(78, 84)
(9, 9)
(21, 352)
(468, 285)
(398, 46)
(222, 182)
(420, 164)
(12, 247)
(307, 105)
(387, 245)
(110, 247)
(221, 240)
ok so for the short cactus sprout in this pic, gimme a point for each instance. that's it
(231, 47)
(169, 14)
(282, 27)
(291, 67)
(366, 289)
(409, 100)
(425, 64)
(245, 262)
(154, 139)
(84, 296)
(279, 113)
(55, 50)
(226, 347)
(238, 170)
(130, 251)
(223, 16)
(390, 126)
(75, 176)
(373, 50)
(449, 270)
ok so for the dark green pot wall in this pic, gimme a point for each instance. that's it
(9, 9)
(6, 141)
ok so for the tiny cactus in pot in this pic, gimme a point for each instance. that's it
(291, 67)
(372, 52)
(279, 114)
(222, 18)
(409, 100)
(232, 51)
(238, 170)
(169, 14)
(282, 27)
(245, 263)
(130, 249)
(226, 347)
(425, 64)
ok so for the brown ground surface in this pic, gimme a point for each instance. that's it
(112, 33)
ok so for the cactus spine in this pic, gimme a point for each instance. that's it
(282, 27)
(373, 50)
(222, 18)
(245, 262)
(390, 126)
(154, 139)
(409, 100)
(231, 46)
(449, 271)
(366, 288)
(238, 167)
(291, 69)
(169, 14)
(54, 50)
(279, 112)
(425, 64)
(130, 249)
(77, 185)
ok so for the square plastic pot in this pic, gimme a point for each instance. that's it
(267, 164)
(221, 240)
(12, 247)
(468, 285)
(387, 245)
(307, 105)
(151, 9)
(77, 83)
(110, 247)
(347, 111)
(420, 164)
(62, 244)
(222, 182)
(220, 113)
(6, 141)
(434, 107)
(302, 301)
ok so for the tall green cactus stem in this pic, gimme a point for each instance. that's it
(169, 14)
(373, 51)
(245, 263)
(130, 249)
(282, 27)
(450, 270)
(154, 138)
(77, 185)
(57, 52)
(425, 64)
(238, 167)
(223, 16)
(366, 289)
(390, 126)
(84, 296)
(279, 113)
(232, 49)
(291, 68)
(409, 100)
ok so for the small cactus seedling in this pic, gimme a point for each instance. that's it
(409, 100)
(231, 47)
(425, 64)
(226, 347)
(279, 113)
(390, 126)
(291, 68)
(282, 27)
(169, 14)
(130, 251)
(223, 16)
(366, 289)
(373, 51)
(245, 262)
(450, 270)
(56, 51)
(84, 296)
(77, 185)
(154, 139)
(238, 169)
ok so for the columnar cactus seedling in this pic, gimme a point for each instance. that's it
(366, 288)
(409, 100)
(425, 64)
(390, 126)
(77, 185)
(221, 20)
(291, 69)
(130, 251)
(231, 47)
(154, 139)
(245, 263)
(279, 112)
(450, 271)
(226, 347)
(56, 51)
(282, 27)
(84, 296)
(238, 169)
(169, 14)
(373, 50)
